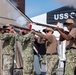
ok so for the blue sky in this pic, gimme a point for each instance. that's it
(37, 7)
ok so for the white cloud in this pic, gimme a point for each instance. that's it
(70, 3)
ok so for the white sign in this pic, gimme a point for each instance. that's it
(62, 16)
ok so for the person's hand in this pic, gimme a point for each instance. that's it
(13, 31)
(32, 31)
(56, 28)
(59, 25)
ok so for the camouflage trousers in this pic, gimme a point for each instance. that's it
(52, 64)
(28, 59)
(70, 62)
(7, 64)
(43, 59)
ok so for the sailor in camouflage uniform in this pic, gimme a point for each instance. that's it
(70, 48)
(27, 40)
(51, 52)
(8, 39)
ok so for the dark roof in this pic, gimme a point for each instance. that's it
(62, 9)
(20, 5)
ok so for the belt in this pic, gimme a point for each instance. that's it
(71, 48)
(51, 53)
